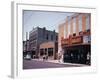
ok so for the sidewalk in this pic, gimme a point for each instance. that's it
(57, 61)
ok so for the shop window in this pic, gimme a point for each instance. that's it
(50, 51)
(45, 51)
(41, 52)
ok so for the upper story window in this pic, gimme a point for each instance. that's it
(51, 37)
(56, 38)
(47, 37)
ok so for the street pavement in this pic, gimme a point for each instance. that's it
(39, 64)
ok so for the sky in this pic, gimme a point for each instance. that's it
(47, 19)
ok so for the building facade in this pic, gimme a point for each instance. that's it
(38, 36)
(25, 48)
(49, 50)
(75, 38)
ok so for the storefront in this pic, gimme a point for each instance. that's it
(77, 49)
(48, 50)
(77, 54)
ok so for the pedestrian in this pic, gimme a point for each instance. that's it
(46, 57)
(59, 57)
(88, 58)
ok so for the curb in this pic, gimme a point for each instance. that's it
(60, 63)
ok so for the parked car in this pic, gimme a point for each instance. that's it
(27, 57)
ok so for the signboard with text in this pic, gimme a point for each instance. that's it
(76, 40)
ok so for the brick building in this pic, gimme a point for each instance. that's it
(38, 36)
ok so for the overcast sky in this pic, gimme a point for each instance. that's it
(50, 20)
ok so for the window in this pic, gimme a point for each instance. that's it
(47, 36)
(51, 37)
(56, 38)
(45, 51)
(50, 51)
(41, 52)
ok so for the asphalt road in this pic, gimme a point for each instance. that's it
(33, 64)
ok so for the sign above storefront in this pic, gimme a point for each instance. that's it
(72, 40)
(65, 41)
(86, 39)
(76, 40)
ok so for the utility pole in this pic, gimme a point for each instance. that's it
(26, 41)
